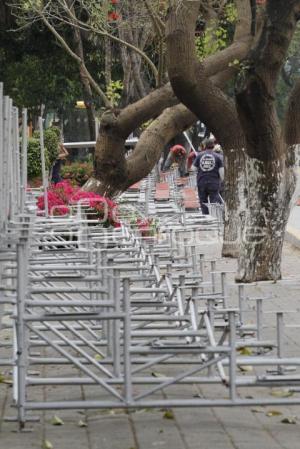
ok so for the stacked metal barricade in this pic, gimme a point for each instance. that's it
(107, 318)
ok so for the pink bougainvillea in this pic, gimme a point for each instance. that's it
(63, 195)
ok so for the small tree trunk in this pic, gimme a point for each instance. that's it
(270, 189)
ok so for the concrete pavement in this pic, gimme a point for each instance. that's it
(231, 428)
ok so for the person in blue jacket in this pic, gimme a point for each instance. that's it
(210, 175)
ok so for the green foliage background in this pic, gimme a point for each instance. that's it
(51, 142)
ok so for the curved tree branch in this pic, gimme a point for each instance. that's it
(189, 78)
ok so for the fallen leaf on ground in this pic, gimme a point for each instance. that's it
(245, 351)
(82, 423)
(156, 374)
(289, 420)
(57, 421)
(282, 393)
(258, 410)
(273, 413)
(169, 414)
(246, 368)
(47, 445)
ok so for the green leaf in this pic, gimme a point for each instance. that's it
(57, 421)
(98, 357)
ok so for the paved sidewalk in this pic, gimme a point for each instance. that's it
(232, 428)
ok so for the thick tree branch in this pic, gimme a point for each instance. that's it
(115, 171)
(189, 78)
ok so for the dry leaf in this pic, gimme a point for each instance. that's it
(5, 380)
(156, 374)
(57, 421)
(47, 445)
(273, 413)
(245, 351)
(285, 393)
(246, 368)
(169, 414)
(82, 423)
(258, 410)
(289, 420)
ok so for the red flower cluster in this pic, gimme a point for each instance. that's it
(113, 15)
(63, 195)
(56, 205)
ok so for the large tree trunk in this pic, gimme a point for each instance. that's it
(268, 182)
(269, 165)
(270, 187)
(192, 86)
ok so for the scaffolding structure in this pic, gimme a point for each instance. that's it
(131, 319)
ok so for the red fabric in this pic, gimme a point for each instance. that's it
(178, 150)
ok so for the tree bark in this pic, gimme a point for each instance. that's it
(117, 125)
(268, 180)
(192, 86)
(269, 165)
(270, 188)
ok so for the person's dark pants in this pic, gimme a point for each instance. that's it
(56, 171)
(208, 189)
